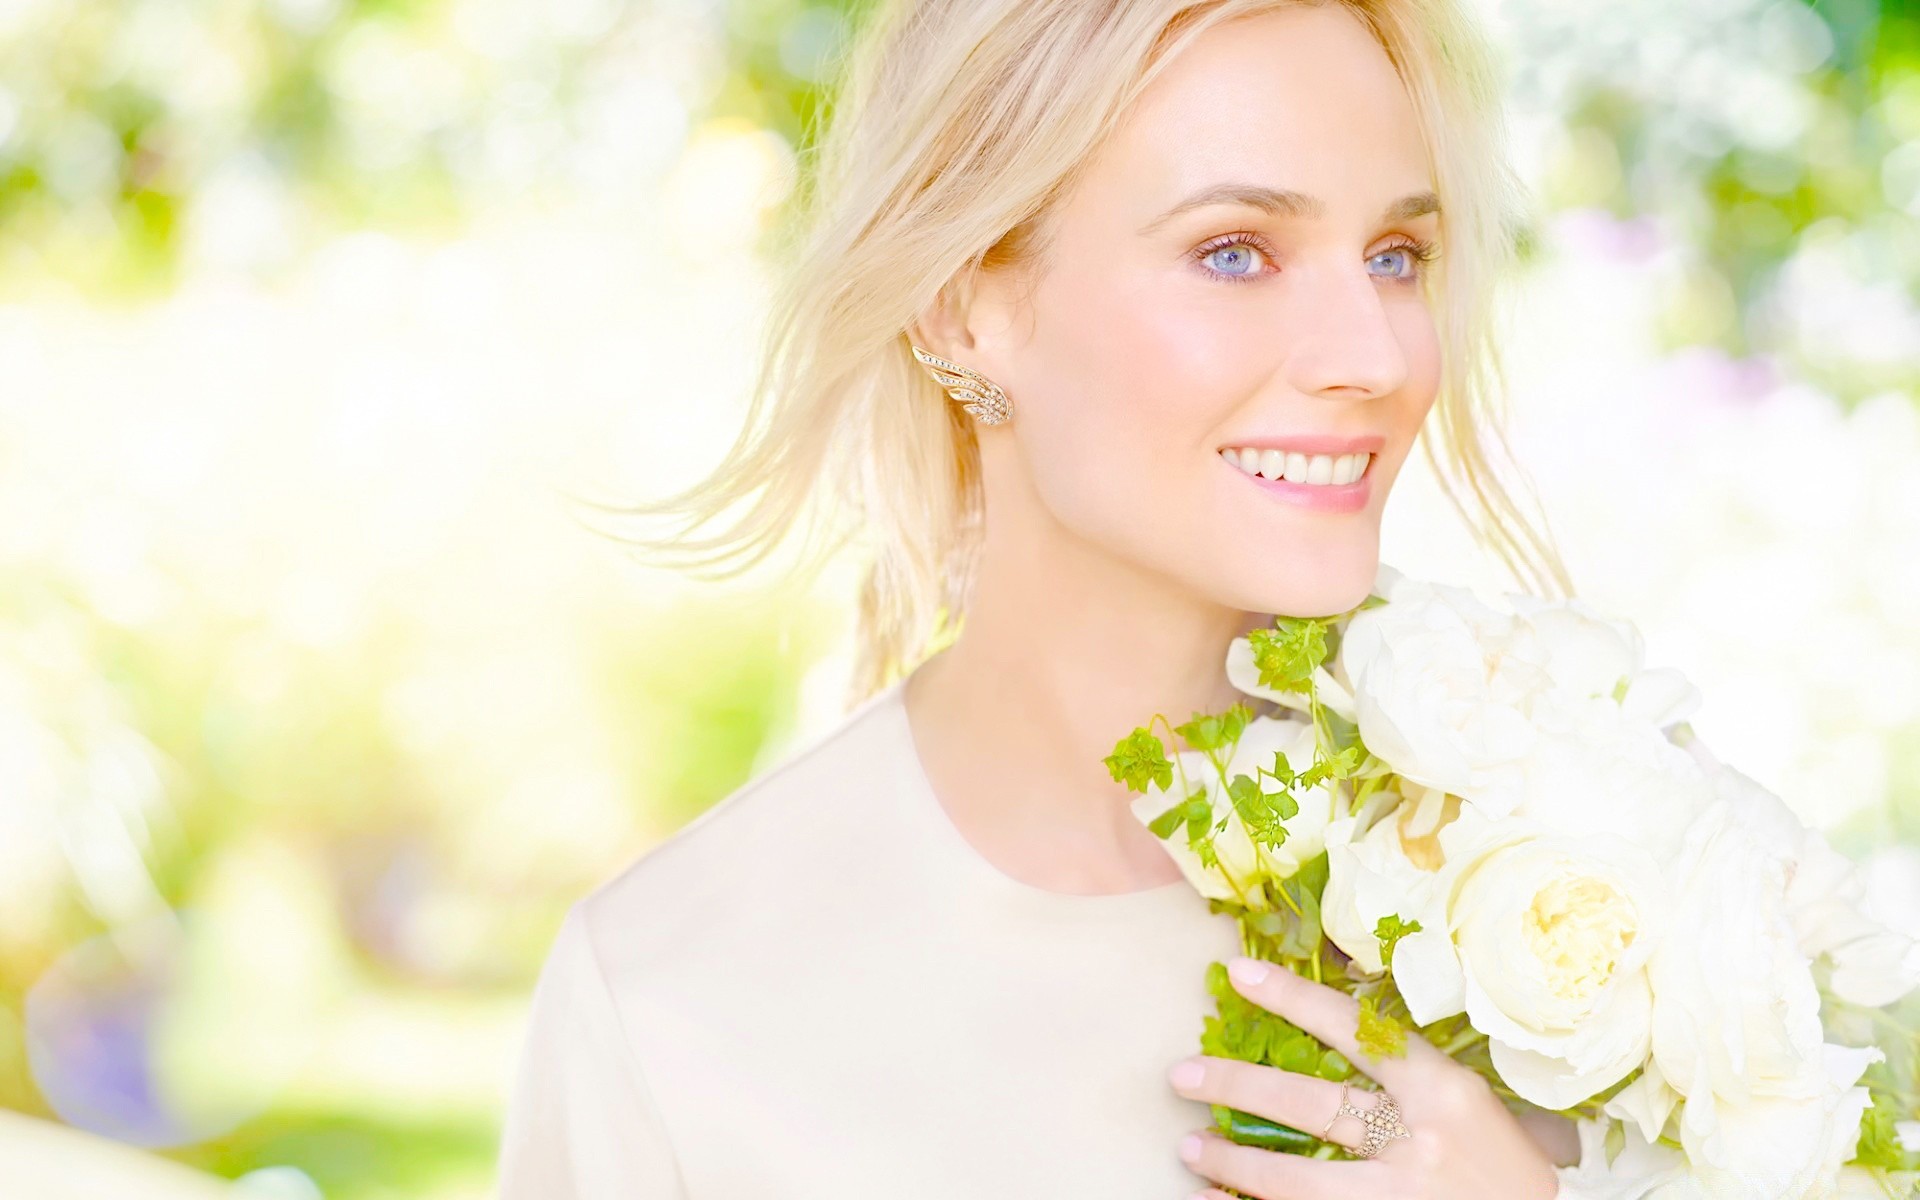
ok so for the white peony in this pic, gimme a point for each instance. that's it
(1390, 870)
(1827, 896)
(1873, 963)
(1594, 767)
(1637, 1169)
(1242, 861)
(1585, 654)
(1543, 940)
(1863, 1183)
(1770, 1107)
(1453, 691)
(1433, 694)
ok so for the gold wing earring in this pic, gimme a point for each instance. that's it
(977, 394)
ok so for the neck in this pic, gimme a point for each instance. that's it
(1053, 665)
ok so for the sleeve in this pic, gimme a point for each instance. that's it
(580, 1122)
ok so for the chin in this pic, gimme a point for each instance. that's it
(1308, 584)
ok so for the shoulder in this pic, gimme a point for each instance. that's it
(758, 857)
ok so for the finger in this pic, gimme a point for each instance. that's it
(1331, 1015)
(1268, 1175)
(1304, 1102)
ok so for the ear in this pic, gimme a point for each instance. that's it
(941, 328)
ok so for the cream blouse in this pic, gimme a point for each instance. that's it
(819, 990)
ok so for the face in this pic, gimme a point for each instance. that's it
(1283, 312)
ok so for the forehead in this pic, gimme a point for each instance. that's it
(1301, 98)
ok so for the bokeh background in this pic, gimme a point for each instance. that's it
(319, 704)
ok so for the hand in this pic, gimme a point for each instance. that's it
(1466, 1145)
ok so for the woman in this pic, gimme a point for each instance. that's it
(1102, 296)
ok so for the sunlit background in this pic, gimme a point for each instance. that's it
(319, 705)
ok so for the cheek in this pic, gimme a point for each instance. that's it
(1130, 389)
(1148, 358)
(1420, 342)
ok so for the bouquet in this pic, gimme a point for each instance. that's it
(1494, 827)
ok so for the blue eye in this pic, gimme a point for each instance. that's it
(1233, 259)
(1417, 255)
(1237, 256)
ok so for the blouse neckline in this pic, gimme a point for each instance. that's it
(1175, 897)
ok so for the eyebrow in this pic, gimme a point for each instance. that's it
(1281, 202)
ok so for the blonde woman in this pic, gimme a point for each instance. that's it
(1116, 323)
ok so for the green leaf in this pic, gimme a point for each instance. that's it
(1333, 1065)
(1236, 719)
(1203, 732)
(1258, 812)
(1245, 1129)
(1880, 1144)
(1211, 731)
(1282, 769)
(1303, 935)
(1140, 759)
(1168, 821)
(1299, 1054)
(1390, 929)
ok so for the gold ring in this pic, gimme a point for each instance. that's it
(1326, 1135)
(1382, 1121)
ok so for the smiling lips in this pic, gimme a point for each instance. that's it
(1295, 467)
(1324, 482)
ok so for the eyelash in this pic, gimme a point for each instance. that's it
(1422, 253)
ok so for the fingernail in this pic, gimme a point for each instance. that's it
(1190, 1148)
(1187, 1074)
(1247, 970)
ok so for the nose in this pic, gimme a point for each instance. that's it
(1344, 341)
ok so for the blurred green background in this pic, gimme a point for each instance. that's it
(317, 706)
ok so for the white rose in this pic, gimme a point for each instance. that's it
(1595, 768)
(1543, 940)
(1585, 654)
(1827, 894)
(1789, 1146)
(1834, 917)
(1242, 861)
(1453, 692)
(1770, 1108)
(1637, 1170)
(1434, 695)
(1387, 871)
(1862, 1183)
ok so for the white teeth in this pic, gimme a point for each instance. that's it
(1324, 469)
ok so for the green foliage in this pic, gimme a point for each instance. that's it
(1139, 760)
(1216, 731)
(1880, 1144)
(1390, 929)
(1262, 812)
(1380, 1033)
(1286, 654)
(1243, 1030)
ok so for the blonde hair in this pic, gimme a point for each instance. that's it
(958, 126)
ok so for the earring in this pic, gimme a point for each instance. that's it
(977, 394)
